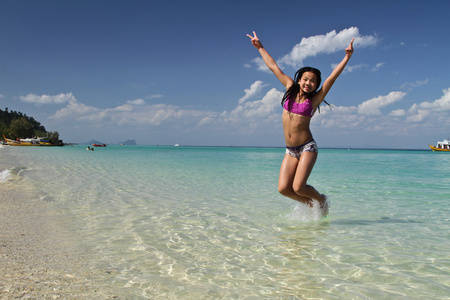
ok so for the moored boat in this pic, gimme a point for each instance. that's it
(28, 142)
(441, 146)
(99, 145)
(36, 141)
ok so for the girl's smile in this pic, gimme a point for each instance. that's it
(308, 82)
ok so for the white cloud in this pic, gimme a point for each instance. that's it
(372, 107)
(419, 117)
(377, 67)
(411, 85)
(154, 96)
(258, 109)
(328, 43)
(442, 104)
(136, 102)
(398, 113)
(250, 115)
(124, 107)
(255, 113)
(254, 89)
(258, 114)
(47, 99)
(260, 65)
(349, 68)
(134, 112)
(76, 110)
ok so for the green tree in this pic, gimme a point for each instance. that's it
(21, 128)
(53, 137)
(15, 124)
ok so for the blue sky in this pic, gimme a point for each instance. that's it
(166, 72)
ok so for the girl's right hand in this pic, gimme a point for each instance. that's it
(255, 41)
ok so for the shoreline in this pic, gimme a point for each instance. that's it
(40, 257)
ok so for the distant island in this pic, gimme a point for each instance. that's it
(94, 142)
(127, 142)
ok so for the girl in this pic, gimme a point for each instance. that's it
(300, 101)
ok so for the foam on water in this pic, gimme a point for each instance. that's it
(305, 213)
(11, 174)
(5, 175)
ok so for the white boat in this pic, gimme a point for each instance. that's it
(441, 146)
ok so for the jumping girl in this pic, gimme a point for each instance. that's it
(300, 101)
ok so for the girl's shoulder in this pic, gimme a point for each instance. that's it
(289, 82)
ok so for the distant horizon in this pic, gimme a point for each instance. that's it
(243, 146)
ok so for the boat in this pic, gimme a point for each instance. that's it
(36, 141)
(28, 142)
(99, 145)
(441, 146)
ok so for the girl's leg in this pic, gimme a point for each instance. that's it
(286, 179)
(304, 168)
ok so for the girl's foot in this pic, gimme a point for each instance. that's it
(324, 205)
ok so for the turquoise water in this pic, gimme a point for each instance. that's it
(208, 223)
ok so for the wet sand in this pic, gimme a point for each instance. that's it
(39, 255)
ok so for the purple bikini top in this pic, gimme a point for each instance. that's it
(304, 109)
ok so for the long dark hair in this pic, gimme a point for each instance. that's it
(294, 89)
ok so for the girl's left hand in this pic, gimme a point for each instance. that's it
(349, 49)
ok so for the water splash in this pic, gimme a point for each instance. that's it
(5, 175)
(305, 213)
(11, 174)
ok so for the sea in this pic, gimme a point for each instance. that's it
(166, 222)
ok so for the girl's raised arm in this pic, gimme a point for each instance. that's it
(334, 75)
(270, 62)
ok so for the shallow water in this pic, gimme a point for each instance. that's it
(207, 222)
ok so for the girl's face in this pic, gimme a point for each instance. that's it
(308, 82)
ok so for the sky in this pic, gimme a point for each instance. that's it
(184, 72)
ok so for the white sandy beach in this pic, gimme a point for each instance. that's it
(39, 255)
